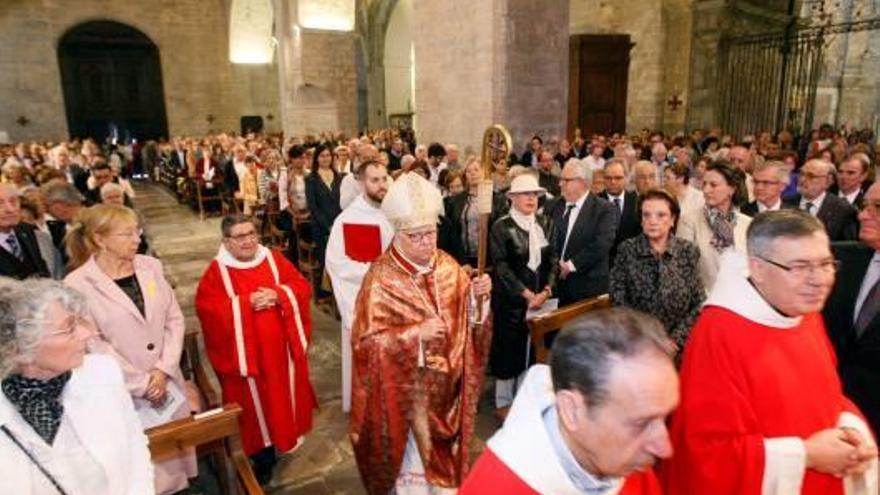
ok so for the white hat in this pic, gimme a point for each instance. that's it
(525, 183)
(412, 202)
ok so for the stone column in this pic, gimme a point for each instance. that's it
(487, 62)
(317, 76)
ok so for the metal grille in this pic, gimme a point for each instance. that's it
(769, 81)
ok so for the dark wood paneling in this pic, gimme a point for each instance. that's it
(599, 72)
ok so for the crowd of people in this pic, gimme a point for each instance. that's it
(718, 252)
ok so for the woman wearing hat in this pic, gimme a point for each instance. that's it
(522, 247)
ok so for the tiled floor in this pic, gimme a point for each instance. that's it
(325, 463)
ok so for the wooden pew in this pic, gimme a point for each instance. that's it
(195, 369)
(544, 324)
(215, 430)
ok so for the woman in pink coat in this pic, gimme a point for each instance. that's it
(138, 319)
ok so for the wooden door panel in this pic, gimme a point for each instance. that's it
(599, 69)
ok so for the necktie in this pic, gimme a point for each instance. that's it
(809, 207)
(616, 202)
(12, 246)
(869, 309)
(567, 215)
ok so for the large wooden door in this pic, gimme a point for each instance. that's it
(599, 70)
(112, 83)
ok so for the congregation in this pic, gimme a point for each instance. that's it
(740, 354)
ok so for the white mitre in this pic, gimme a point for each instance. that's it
(412, 202)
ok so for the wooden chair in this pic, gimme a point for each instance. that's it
(544, 324)
(194, 368)
(203, 195)
(217, 428)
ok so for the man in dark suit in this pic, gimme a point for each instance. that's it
(840, 219)
(178, 158)
(851, 179)
(770, 180)
(546, 179)
(20, 255)
(63, 202)
(629, 224)
(852, 313)
(587, 225)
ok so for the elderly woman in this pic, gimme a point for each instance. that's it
(719, 226)
(522, 245)
(66, 421)
(656, 272)
(138, 319)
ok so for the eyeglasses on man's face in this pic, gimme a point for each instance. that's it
(804, 268)
(247, 236)
(420, 237)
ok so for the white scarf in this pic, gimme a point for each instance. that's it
(537, 239)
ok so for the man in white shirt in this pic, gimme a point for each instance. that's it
(594, 160)
(436, 153)
(358, 236)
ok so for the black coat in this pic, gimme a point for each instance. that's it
(629, 224)
(230, 177)
(588, 248)
(858, 358)
(839, 217)
(509, 246)
(751, 209)
(323, 203)
(451, 225)
(32, 263)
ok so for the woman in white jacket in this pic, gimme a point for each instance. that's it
(67, 423)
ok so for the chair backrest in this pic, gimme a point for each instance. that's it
(554, 320)
(217, 425)
(191, 360)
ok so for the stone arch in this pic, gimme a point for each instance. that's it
(111, 80)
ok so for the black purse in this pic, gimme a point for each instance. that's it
(33, 459)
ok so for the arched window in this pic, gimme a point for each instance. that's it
(250, 32)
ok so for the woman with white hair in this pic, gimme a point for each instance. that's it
(67, 424)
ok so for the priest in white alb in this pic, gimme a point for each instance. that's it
(359, 235)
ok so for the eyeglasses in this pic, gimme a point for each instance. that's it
(807, 175)
(766, 182)
(130, 233)
(68, 327)
(243, 237)
(802, 269)
(419, 237)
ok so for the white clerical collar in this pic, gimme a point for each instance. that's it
(224, 257)
(734, 292)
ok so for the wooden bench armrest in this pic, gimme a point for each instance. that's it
(554, 320)
(200, 373)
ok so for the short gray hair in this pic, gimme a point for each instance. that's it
(579, 167)
(110, 187)
(781, 172)
(586, 347)
(59, 191)
(768, 226)
(23, 306)
(230, 221)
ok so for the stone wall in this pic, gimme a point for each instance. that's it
(192, 38)
(643, 21)
(488, 62)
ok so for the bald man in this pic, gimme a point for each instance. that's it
(838, 216)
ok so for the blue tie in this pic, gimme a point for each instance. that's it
(12, 245)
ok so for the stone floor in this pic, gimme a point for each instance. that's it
(325, 463)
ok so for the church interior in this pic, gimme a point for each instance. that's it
(143, 79)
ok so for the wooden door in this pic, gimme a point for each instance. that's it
(112, 83)
(599, 73)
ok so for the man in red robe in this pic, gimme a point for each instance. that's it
(254, 309)
(417, 357)
(594, 421)
(762, 408)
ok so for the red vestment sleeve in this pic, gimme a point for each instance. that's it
(231, 351)
(714, 431)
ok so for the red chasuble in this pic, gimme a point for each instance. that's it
(260, 356)
(750, 393)
(490, 476)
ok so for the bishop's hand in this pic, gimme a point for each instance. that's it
(482, 285)
(829, 451)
